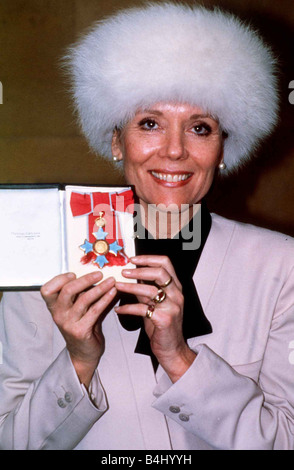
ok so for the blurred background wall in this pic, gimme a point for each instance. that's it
(40, 141)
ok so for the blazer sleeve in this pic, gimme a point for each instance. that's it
(231, 411)
(42, 405)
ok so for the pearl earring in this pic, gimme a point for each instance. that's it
(222, 166)
(114, 158)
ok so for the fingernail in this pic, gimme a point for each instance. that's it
(126, 272)
(71, 275)
(97, 274)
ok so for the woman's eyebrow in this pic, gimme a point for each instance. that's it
(151, 111)
(159, 113)
(197, 116)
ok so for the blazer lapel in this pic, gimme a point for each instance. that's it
(212, 258)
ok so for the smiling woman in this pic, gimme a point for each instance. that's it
(192, 355)
(170, 153)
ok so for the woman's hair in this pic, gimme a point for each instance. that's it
(174, 52)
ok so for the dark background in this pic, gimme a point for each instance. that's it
(40, 141)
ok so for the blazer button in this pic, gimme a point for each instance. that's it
(184, 417)
(174, 409)
(68, 397)
(61, 403)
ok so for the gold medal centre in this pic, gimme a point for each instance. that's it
(101, 247)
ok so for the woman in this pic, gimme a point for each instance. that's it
(174, 94)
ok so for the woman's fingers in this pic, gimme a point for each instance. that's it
(164, 315)
(100, 306)
(67, 296)
(130, 309)
(51, 289)
(147, 293)
(155, 269)
(97, 297)
(157, 275)
(65, 287)
(151, 260)
(161, 262)
(137, 289)
(70, 291)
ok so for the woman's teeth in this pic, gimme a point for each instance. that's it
(171, 178)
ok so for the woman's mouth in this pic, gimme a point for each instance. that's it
(170, 178)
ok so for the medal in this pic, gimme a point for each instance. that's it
(101, 247)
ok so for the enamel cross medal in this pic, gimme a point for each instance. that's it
(101, 247)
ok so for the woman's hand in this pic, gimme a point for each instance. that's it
(78, 307)
(164, 329)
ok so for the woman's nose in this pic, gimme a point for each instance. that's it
(174, 145)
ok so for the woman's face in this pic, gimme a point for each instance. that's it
(170, 153)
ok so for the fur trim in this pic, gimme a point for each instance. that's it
(173, 52)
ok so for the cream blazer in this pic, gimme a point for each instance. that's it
(238, 393)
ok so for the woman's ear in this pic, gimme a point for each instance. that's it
(116, 145)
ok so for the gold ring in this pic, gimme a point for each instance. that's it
(167, 283)
(160, 296)
(150, 311)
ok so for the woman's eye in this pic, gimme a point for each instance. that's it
(148, 124)
(202, 129)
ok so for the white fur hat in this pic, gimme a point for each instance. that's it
(174, 52)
